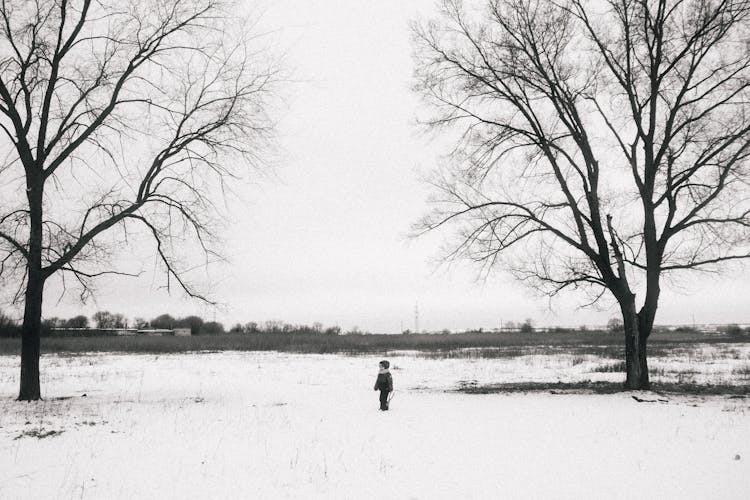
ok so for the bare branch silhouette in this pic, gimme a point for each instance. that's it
(600, 148)
(123, 119)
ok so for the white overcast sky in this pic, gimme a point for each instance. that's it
(327, 239)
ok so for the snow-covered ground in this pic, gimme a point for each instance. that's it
(271, 425)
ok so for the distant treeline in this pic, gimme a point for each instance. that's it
(105, 320)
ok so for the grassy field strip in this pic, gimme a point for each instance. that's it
(486, 344)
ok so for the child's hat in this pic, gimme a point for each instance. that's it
(385, 363)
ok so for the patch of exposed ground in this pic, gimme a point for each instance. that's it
(587, 387)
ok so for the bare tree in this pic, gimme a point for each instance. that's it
(603, 145)
(122, 120)
(106, 319)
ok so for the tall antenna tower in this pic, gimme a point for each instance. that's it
(416, 317)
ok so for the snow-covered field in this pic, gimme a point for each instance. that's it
(271, 425)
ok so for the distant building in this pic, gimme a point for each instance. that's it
(90, 332)
(182, 332)
(126, 332)
(156, 332)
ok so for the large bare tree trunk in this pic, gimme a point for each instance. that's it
(30, 342)
(32, 315)
(636, 365)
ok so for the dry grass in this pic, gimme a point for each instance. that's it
(588, 387)
(578, 360)
(449, 344)
(461, 345)
(612, 367)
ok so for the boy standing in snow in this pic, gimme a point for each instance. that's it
(384, 383)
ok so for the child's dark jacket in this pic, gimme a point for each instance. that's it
(384, 382)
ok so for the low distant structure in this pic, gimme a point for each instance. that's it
(125, 332)
(117, 332)
(156, 332)
(90, 332)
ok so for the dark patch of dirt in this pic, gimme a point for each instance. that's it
(38, 433)
(471, 387)
(734, 391)
(90, 423)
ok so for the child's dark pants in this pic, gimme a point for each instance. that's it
(383, 400)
